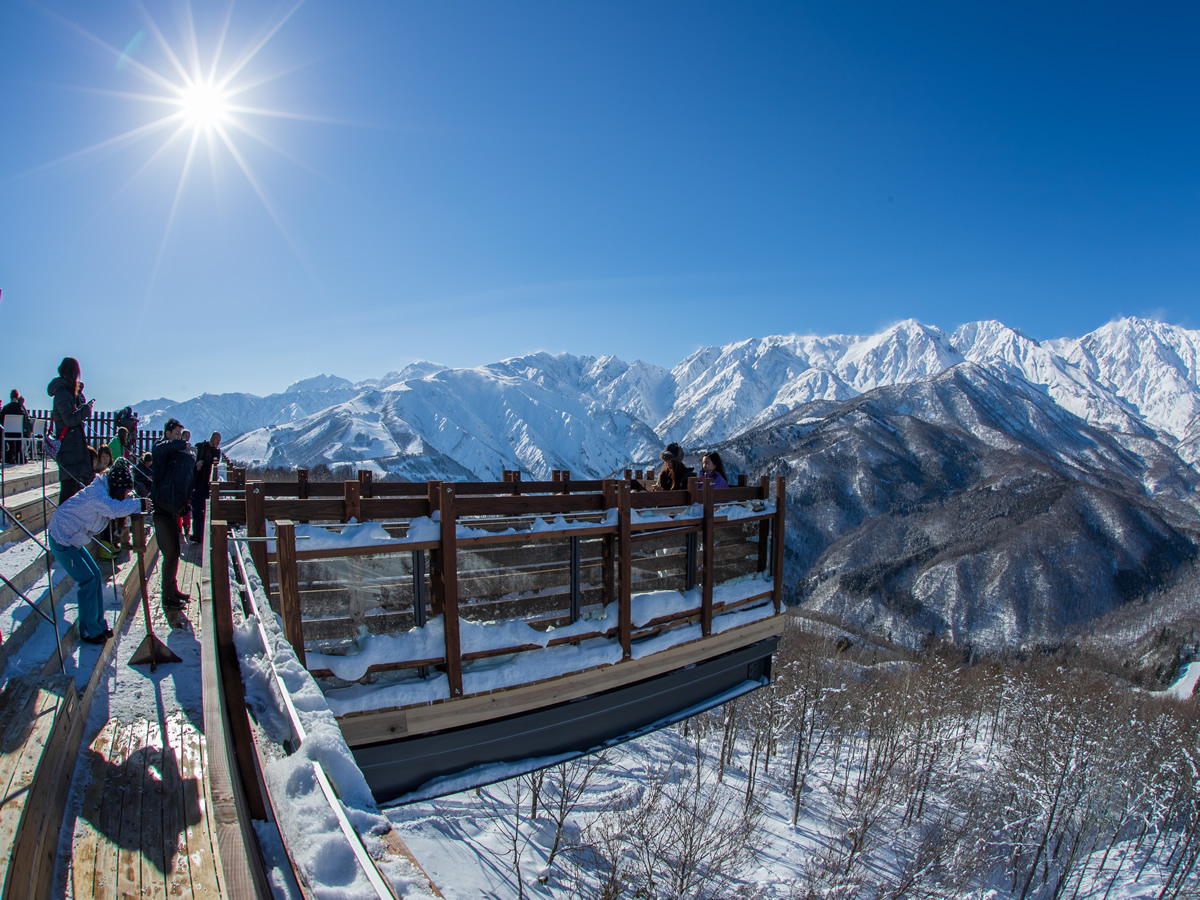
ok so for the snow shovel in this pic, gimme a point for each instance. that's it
(151, 650)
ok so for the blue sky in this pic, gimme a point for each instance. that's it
(468, 181)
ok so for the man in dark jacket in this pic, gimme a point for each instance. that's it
(207, 453)
(174, 469)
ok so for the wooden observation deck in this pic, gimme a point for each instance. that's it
(485, 622)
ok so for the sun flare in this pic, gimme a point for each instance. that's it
(204, 105)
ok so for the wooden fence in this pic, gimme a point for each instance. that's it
(100, 428)
(504, 570)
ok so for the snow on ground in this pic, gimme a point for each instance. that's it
(483, 843)
(1185, 685)
(308, 825)
(528, 665)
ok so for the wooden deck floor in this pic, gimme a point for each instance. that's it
(143, 827)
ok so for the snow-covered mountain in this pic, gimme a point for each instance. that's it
(972, 507)
(982, 486)
(595, 415)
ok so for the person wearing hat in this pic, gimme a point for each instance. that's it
(173, 463)
(72, 527)
(674, 475)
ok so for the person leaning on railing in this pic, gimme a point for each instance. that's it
(73, 526)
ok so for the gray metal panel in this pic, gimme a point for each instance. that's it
(395, 768)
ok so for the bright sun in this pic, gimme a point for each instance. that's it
(204, 106)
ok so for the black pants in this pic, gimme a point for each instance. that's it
(199, 506)
(166, 530)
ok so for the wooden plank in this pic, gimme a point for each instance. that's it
(129, 867)
(35, 789)
(200, 843)
(382, 725)
(216, 568)
(153, 801)
(175, 810)
(105, 879)
(87, 833)
(381, 508)
(241, 873)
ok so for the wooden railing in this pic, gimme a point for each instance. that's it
(504, 570)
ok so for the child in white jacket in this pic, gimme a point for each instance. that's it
(71, 529)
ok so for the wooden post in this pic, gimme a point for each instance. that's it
(289, 587)
(365, 479)
(710, 562)
(608, 552)
(237, 477)
(302, 483)
(353, 498)
(777, 567)
(446, 584)
(256, 527)
(741, 480)
(231, 676)
(138, 523)
(624, 555)
(764, 527)
(437, 596)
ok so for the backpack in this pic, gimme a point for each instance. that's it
(126, 418)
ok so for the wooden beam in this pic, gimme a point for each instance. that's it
(625, 576)
(289, 587)
(382, 725)
(445, 586)
(217, 565)
(710, 561)
(777, 567)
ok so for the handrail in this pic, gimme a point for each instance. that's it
(49, 580)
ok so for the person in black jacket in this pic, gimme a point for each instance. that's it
(16, 407)
(207, 453)
(71, 410)
(174, 469)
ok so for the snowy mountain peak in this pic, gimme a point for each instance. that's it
(319, 383)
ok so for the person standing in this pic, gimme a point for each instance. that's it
(73, 525)
(71, 409)
(174, 469)
(207, 453)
